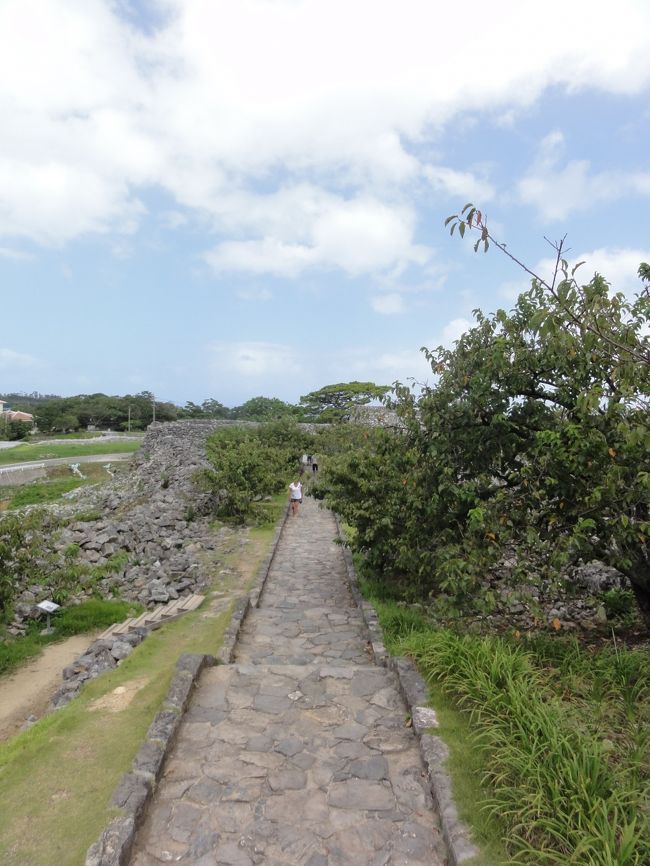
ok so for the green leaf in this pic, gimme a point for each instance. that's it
(461, 229)
(467, 206)
(450, 218)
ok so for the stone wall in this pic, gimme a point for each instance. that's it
(155, 516)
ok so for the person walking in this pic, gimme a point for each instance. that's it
(295, 495)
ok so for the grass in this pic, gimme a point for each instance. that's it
(85, 617)
(43, 451)
(549, 740)
(69, 763)
(568, 784)
(82, 434)
(401, 623)
(58, 482)
(56, 779)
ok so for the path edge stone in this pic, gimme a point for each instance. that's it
(433, 750)
(435, 753)
(368, 612)
(136, 787)
(226, 653)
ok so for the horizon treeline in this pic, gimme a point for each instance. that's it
(55, 414)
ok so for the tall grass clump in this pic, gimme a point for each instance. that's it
(565, 793)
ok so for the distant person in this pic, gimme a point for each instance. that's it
(309, 459)
(295, 495)
(314, 465)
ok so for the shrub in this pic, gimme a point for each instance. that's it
(250, 463)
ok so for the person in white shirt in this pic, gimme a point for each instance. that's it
(295, 495)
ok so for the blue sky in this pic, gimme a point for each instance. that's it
(215, 199)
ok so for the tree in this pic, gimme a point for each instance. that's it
(535, 436)
(214, 409)
(265, 409)
(333, 402)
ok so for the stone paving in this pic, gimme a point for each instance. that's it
(298, 754)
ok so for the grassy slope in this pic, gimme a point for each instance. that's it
(43, 451)
(56, 778)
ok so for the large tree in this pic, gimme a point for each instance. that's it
(265, 409)
(334, 402)
(536, 435)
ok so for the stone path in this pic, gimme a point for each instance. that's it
(298, 754)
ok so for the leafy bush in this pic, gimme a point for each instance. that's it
(250, 463)
(619, 604)
(535, 436)
(21, 549)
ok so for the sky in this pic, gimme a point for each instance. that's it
(217, 199)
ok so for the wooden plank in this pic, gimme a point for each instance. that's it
(172, 607)
(140, 620)
(123, 627)
(192, 602)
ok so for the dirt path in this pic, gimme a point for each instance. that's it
(28, 690)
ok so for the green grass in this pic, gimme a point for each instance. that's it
(567, 771)
(401, 623)
(549, 740)
(82, 434)
(56, 779)
(43, 451)
(85, 617)
(57, 482)
(39, 492)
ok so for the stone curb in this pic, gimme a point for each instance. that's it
(434, 753)
(368, 613)
(231, 634)
(226, 654)
(433, 750)
(260, 581)
(135, 788)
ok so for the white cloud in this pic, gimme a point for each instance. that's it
(399, 364)
(618, 266)
(453, 331)
(209, 103)
(557, 191)
(359, 235)
(388, 304)
(459, 184)
(17, 255)
(253, 359)
(266, 256)
(9, 359)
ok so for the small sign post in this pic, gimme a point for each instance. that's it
(49, 607)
